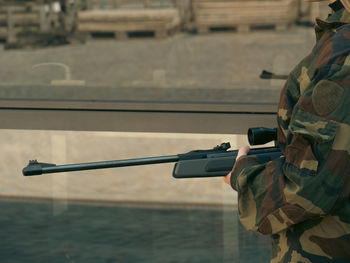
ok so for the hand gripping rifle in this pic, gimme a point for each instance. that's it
(199, 163)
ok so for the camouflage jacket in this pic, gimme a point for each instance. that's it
(303, 199)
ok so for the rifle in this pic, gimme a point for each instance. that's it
(194, 164)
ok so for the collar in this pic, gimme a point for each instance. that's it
(325, 25)
(334, 21)
(322, 27)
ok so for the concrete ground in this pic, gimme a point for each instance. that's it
(216, 60)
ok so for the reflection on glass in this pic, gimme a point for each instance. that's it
(131, 214)
(112, 233)
(155, 51)
(132, 45)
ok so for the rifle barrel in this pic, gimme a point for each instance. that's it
(35, 168)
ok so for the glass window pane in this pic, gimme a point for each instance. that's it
(94, 80)
(128, 214)
(70, 51)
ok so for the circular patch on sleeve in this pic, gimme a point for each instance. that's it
(326, 96)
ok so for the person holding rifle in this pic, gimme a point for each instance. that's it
(303, 198)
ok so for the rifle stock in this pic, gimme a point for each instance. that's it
(221, 164)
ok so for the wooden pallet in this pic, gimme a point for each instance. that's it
(183, 6)
(20, 18)
(37, 22)
(243, 14)
(129, 4)
(121, 22)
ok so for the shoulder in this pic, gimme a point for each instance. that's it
(332, 48)
(329, 57)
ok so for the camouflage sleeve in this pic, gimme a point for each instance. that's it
(302, 185)
(261, 203)
(311, 180)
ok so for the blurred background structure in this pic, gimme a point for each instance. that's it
(51, 22)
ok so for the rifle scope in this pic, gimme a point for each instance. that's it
(260, 135)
